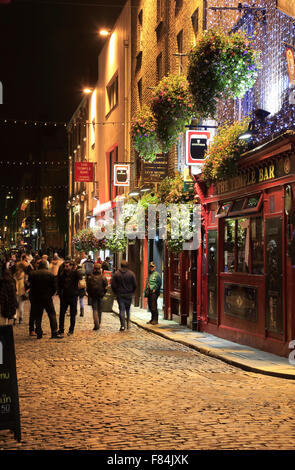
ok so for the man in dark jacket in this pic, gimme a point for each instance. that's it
(96, 288)
(42, 288)
(124, 285)
(68, 290)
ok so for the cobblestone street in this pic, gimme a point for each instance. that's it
(112, 390)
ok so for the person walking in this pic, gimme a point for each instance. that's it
(8, 301)
(42, 288)
(56, 262)
(88, 266)
(68, 290)
(20, 280)
(96, 288)
(152, 292)
(124, 285)
(82, 288)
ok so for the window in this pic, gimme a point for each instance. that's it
(178, 6)
(159, 67)
(112, 94)
(244, 245)
(48, 207)
(195, 21)
(160, 10)
(139, 90)
(179, 39)
(139, 31)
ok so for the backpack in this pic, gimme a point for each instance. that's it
(88, 267)
(96, 286)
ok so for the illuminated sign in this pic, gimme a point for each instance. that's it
(196, 145)
(84, 172)
(121, 175)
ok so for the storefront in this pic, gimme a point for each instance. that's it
(249, 249)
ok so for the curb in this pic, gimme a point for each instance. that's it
(213, 353)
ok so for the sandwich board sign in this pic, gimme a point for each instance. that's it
(9, 401)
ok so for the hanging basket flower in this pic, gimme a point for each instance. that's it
(86, 240)
(221, 66)
(175, 191)
(117, 242)
(172, 106)
(143, 133)
(226, 149)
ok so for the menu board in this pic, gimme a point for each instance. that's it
(9, 402)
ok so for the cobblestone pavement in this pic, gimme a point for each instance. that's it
(111, 390)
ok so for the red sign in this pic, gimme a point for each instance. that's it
(291, 64)
(196, 144)
(108, 275)
(84, 172)
(121, 175)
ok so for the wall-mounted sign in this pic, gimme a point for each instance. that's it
(121, 174)
(291, 64)
(155, 172)
(287, 7)
(83, 172)
(196, 144)
(9, 401)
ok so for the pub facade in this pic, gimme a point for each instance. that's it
(249, 250)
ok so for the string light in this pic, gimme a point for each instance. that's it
(28, 163)
(269, 30)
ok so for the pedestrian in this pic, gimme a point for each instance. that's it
(8, 301)
(88, 266)
(11, 264)
(96, 289)
(68, 291)
(42, 289)
(45, 258)
(20, 281)
(106, 266)
(152, 292)
(82, 288)
(124, 285)
(54, 266)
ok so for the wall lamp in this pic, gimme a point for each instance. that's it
(87, 90)
(259, 117)
(104, 32)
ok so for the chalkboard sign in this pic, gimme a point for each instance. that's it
(9, 403)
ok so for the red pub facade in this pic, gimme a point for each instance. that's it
(250, 266)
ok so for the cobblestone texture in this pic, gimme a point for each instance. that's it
(135, 390)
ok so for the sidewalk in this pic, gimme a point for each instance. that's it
(238, 355)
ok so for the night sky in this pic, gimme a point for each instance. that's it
(48, 53)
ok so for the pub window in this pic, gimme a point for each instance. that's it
(179, 39)
(244, 245)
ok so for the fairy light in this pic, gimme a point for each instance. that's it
(271, 90)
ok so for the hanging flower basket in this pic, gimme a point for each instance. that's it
(117, 242)
(86, 240)
(143, 133)
(172, 106)
(174, 191)
(221, 66)
(225, 152)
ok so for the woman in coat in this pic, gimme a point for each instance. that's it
(20, 279)
(8, 301)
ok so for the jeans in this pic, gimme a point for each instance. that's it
(96, 309)
(20, 307)
(64, 303)
(81, 301)
(124, 306)
(153, 305)
(37, 309)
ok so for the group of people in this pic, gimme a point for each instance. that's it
(38, 279)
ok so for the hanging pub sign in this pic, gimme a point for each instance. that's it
(196, 144)
(121, 174)
(291, 64)
(83, 172)
(287, 7)
(9, 402)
